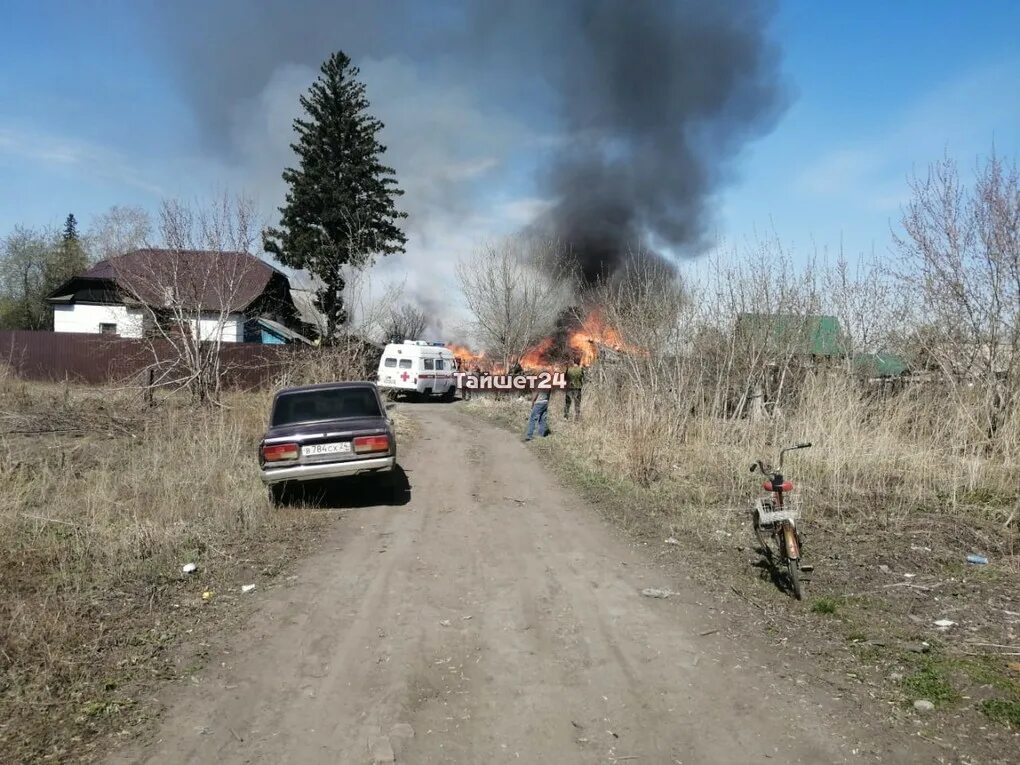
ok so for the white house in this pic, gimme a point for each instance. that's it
(232, 296)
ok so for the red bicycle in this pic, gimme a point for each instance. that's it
(776, 517)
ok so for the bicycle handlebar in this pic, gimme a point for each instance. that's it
(760, 464)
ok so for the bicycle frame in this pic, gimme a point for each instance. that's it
(783, 529)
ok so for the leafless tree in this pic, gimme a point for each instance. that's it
(759, 313)
(515, 288)
(189, 295)
(960, 261)
(117, 231)
(863, 298)
(646, 311)
(24, 254)
(406, 323)
(353, 352)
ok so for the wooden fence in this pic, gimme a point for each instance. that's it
(96, 359)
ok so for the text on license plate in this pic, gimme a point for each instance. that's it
(339, 447)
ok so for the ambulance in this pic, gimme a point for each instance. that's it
(417, 366)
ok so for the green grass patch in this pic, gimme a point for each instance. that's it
(990, 670)
(931, 681)
(987, 497)
(826, 606)
(1002, 711)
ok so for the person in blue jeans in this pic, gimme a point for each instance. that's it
(539, 414)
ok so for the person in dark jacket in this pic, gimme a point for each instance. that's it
(575, 381)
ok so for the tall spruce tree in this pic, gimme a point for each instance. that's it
(67, 258)
(71, 228)
(340, 209)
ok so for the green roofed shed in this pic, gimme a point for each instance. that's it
(810, 334)
(881, 364)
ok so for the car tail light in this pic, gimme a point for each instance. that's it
(280, 452)
(364, 444)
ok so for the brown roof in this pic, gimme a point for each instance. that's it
(203, 279)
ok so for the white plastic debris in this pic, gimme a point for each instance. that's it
(247, 587)
(654, 592)
(923, 705)
(444, 622)
(672, 541)
(189, 568)
(944, 624)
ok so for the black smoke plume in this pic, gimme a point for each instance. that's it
(657, 98)
(646, 103)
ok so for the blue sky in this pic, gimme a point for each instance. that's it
(93, 113)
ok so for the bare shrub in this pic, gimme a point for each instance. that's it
(119, 230)
(758, 314)
(515, 289)
(960, 262)
(864, 298)
(350, 357)
(406, 323)
(191, 292)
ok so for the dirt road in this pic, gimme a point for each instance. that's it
(497, 619)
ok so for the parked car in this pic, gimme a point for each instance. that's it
(330, 430)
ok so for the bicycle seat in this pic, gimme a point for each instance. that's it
(784, 486)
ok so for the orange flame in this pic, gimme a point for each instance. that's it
(583, 340)
(537, 356)
(593, 332)
(467, 358)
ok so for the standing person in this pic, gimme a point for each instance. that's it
(475, 373)
(539, 414)
(465, 390)
(575, 381)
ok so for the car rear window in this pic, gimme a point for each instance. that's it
(405, 363)
(390, 362)
(325, 404)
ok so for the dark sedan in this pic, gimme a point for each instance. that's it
(328, 430)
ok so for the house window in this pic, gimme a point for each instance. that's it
(107, 329)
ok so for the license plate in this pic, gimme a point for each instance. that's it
(340, 447)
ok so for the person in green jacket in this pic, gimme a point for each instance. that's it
(575, 381)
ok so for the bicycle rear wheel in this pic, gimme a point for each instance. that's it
(793, 570)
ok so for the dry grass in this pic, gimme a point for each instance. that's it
(101, 502)
(875, 460)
